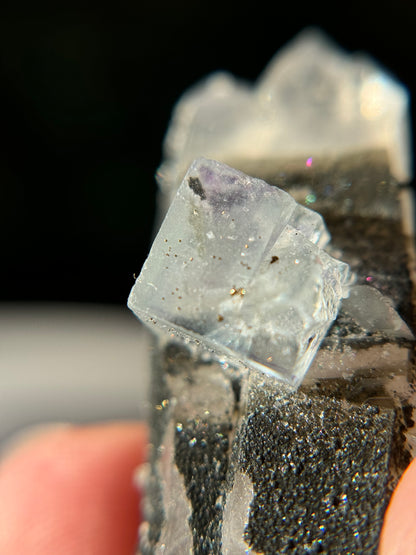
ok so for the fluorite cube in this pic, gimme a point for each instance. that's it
(239, 267)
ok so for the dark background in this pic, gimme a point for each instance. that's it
(85, 101)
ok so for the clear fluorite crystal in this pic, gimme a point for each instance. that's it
(312, 99)
(239, 266)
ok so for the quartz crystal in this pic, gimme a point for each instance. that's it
(239, 265)
(242, 462)
(312, 99)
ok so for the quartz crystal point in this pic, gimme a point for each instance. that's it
(312, 99)
(237, 265)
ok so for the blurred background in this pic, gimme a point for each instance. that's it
(86, 98)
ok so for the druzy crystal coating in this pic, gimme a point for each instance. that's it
(238, 265)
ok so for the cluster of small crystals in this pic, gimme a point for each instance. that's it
(239, 265)
(312, 99)
(311, 473)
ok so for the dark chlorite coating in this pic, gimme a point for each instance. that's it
(202, 457)
(319, 468)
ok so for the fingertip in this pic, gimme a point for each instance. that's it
(398, 535)
(70, 490)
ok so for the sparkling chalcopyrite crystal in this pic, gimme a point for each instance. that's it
(240, 266)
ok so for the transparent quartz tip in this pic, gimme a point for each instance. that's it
(312, 99)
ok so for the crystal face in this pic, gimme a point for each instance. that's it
(239, 265)
(312, 99)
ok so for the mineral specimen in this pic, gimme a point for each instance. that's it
(242, 462)
(238, 265)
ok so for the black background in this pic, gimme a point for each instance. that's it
(85, 100)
